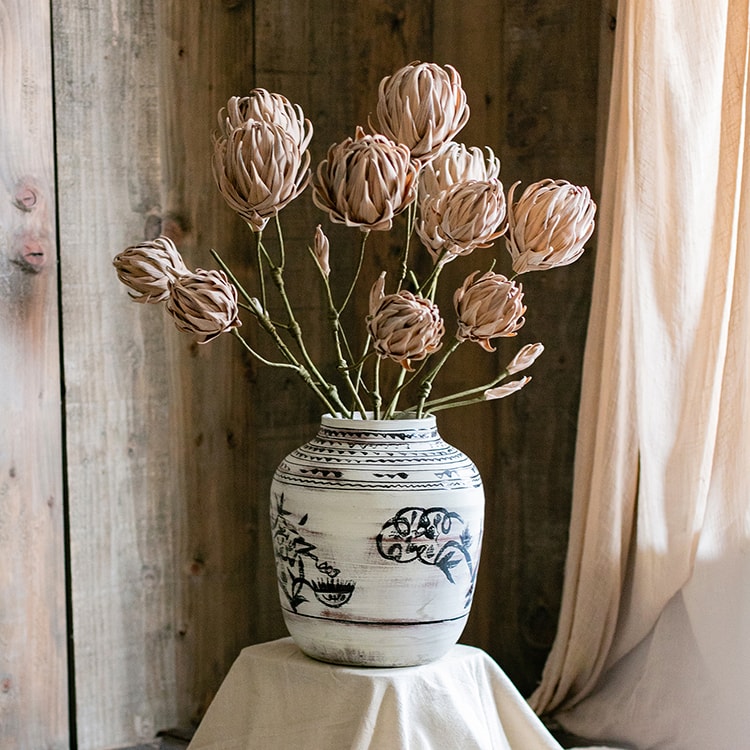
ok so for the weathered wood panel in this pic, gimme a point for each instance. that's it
(125, 477)
(33, 644)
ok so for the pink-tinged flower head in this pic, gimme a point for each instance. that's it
(403, 326)
(488, 308)
(148, 268)
(501, 391)
(457, 163)
(548, 225)
(259, 168)
(525, 357)
(365, 181)
(466, 216)
(263, 105)
(204, 304)
(423, 106)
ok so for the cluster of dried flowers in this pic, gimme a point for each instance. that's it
(454, 201)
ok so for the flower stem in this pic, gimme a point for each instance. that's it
(299, 369)
(444, 402)
(365, 235)
(411, 220)
(377, 399)
(426, 385)
(311, 376)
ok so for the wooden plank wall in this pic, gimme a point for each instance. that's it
(170, 446)
(33, 644)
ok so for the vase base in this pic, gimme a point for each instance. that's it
(373, 645)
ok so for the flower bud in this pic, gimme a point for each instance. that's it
(259, 168)
(466, 216)
(320, 250)
(147, 269)
(365, 181)
(404, 326)
(422, 106)
(501, 391)
(525, 357)
(204, 304)
(548, 225)
(490, 307)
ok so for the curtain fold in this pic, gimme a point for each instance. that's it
(660, 527)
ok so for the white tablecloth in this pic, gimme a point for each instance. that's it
(276, 698)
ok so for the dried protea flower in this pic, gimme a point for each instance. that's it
(147, 269)
(204, 304)
(466, 216)
(525, 357)
(548, 225)
(488, 308)
(259, 168)
(321, 250)
(403, 326)
(262, 105)
(501, 391)
(457, 163)
(423, 106)
(365, 181)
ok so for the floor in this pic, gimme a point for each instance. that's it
(171, 739)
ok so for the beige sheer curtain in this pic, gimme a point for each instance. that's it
(653, 646)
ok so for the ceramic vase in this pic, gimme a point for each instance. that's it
(377, 528)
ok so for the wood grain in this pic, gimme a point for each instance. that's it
(33, 651)
(125, 477)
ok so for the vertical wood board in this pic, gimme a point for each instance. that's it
(33, 644)
(124, 483)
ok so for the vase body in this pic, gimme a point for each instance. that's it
(377, 528)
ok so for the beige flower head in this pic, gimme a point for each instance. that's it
(259, 168)
(204, 304)
(148, 268)
(548, 225)
(488, 308)
(525, 357)
(501, 391)
(263, 105)
(423, 106)
(403, 326)
(457, 163)
(365, 181)
(468, 215)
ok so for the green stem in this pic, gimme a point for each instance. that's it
(261, 273)
(282, 252)
(377, 400)
(426, 385)
(365, 235)
(411, 220)
(299, 369)
(462, 394)
(339, 337)
(429, 286)
(314, 380)
(466, 402)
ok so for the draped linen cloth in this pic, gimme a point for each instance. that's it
(276, 698)
(652, 645)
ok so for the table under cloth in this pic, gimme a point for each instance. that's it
(277, 698)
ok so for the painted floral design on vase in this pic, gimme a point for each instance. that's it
(377, 528)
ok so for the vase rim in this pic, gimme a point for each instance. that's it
(334, 420)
